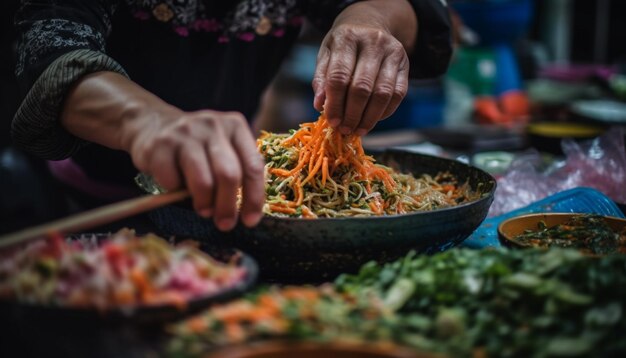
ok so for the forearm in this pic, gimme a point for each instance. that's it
(103, 107)
(396, 16)
(212, 154)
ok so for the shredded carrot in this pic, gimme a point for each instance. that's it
(447, 188)
(324, 171)
(322, 150)
(142, 283)
(307, 213)
(299, 192)
(280, 172)
(313, 171)
(196, 324)
(235, 332)
(376, 207)
(282, 209)
(300, 293)
(269, 301)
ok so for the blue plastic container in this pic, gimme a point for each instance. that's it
(508, 78)
(496, 21)
(579, 200)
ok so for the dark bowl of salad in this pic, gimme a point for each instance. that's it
(119, 277)
(109, 295)
(593, 235)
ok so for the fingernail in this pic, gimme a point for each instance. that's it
(345, 130)
(225, 224)
(361, 132)
(316, 101)
(205, 213)
(334, 122)
(252, 219)
(316, 91)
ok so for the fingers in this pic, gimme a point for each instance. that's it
(338, 77)
(400, 91)
(253, 192)
(362, 75)
(162, 163)
(226, 170)
(360, 89)
(194, 163)
(318, 83)
(384, 93)
(213, 154)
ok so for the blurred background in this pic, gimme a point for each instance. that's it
(525, 75)
(515, 60)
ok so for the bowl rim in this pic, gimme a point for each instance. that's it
(387, 349)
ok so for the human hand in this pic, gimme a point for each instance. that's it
(361, 74)
(212, 153)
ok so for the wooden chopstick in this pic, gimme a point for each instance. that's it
(95, 217)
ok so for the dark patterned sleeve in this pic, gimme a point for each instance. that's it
(58, 43)
(433, 50)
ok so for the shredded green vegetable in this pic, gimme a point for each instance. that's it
(518, 303)
(463, 303)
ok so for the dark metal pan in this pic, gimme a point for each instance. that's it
(301, 250)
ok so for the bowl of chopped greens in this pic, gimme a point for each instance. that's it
(459, 303)
(590, 234)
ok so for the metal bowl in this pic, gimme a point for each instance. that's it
(313, 250)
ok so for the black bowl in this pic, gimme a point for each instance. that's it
(313, 250)
(32, 330)
(141, 315)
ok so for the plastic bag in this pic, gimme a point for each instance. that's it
(599, 163)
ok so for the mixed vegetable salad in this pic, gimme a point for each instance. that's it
(123, 270)
(462, 303)
(316, 172)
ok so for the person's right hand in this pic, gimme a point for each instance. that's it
(212, 153)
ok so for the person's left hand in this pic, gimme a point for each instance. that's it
(361, 75)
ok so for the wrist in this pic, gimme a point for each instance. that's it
(396, 17)
(141, 115)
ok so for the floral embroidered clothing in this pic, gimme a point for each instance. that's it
(193, 54)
